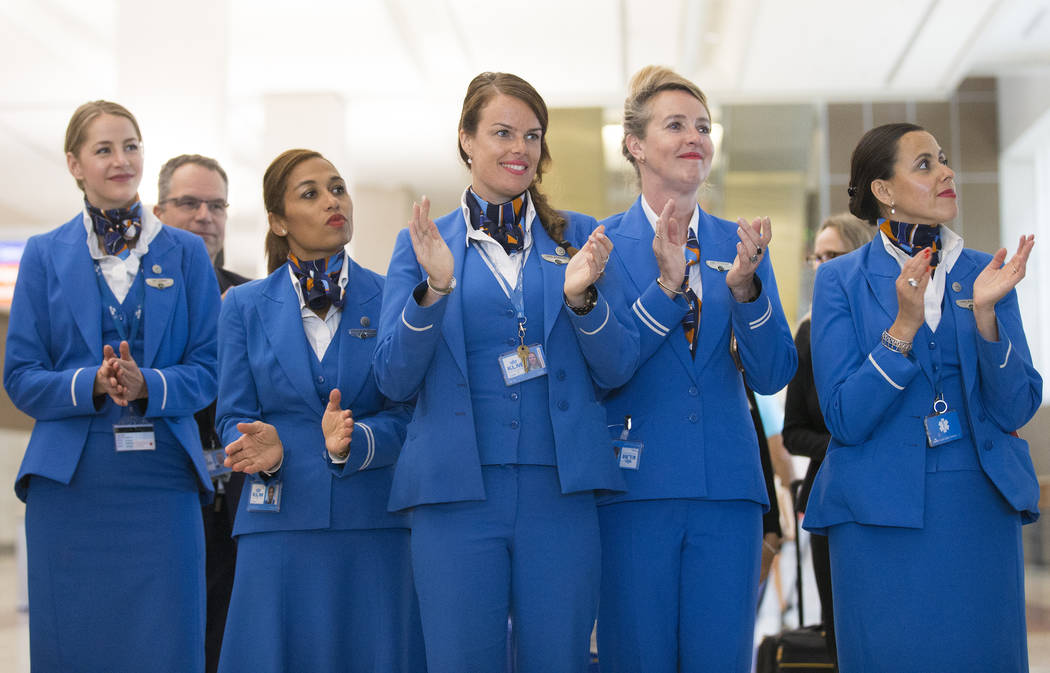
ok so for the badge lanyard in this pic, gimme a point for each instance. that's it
(942, 426)
(120, 319)
(515, 365)
(629, 452)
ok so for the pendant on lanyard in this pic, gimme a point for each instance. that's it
(942, 426)
(526, 361)
(629, 451)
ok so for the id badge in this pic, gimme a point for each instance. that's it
(942, 428)
(630, 453)
(264, 496)
(133, 433)
(522, 364)
(213, 460)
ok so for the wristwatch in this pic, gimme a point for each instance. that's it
(590, 300)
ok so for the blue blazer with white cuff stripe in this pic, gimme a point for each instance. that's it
(874, 400)
(265, 374)
(422, 353)
(692, 413)
(54, 345)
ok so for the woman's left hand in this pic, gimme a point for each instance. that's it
(129, 379)
(754, 241)
(258, 449)
(995, 281)
(586, 266)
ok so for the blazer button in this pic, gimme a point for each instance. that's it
(514, 425)
(563, 405)
(693, 418)
(560, 375)
(987, 445)
(513, 396)
(320, 379)
(509, 313)
(933, 345)
(693, 391)
(511, 341)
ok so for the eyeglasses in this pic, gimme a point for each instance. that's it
(816, 260)
(191, 204)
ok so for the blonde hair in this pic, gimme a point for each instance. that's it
(853, 231)
(76, 130)
(643, 87)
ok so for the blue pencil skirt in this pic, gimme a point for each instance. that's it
(116, 563)
(946, 598)
(323, 601)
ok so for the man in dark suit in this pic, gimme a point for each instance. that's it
(191, 195)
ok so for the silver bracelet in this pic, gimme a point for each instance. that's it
(669, 289)
(443, 291)
(894, 344)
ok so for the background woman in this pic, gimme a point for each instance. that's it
(923, 373)
(502, 458)
(111, 348)
(804, 431)
(323, 579)
(681, 549)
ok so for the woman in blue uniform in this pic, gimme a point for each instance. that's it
(681, 549)
(111, 348)
(323, 580)
(923, 374)
(504, 451)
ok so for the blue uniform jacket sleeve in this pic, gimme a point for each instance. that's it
(409, 333)
(376, 440)
(184, 388)
(1011, 388)
(763, 336)
(238, 400)
(30, 377)
(857, 383)
(607, 337)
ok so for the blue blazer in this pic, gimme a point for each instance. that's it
(422, 352)
(54, 345)
(265, 374)
(874, 400)
(692, 414)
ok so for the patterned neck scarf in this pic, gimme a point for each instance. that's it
(503, 221)
(319, 280)
(691, 320)
(911, 238)
(118, 227)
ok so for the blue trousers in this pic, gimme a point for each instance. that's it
(526, 550)
(679, 585)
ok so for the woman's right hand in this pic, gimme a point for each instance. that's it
(337, 424)
(669, 249)
(432, 252)
(911, 290)
(106, 377)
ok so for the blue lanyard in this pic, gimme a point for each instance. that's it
(120, 318)
(516, 293)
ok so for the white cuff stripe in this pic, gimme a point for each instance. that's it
(758, 322)
(884, 375)
(1009, 347)
(600, 327)
(414, 329)
(164, 398)
(73, 386)
(647, 319)
(371, 446)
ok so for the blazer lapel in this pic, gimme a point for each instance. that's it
(80, 285)
(285, 333)
(964, 272)
(553, 277)
(355, 354)
(714, 311)
(635, 247)
(881, 271)
(163, 260)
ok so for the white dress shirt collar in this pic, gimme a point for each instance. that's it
(496, 258)
(320, 332)
(120, 273)
(951, 249)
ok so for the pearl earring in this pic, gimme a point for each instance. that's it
(893, 209)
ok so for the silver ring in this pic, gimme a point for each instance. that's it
(758, 250)
(913, 282)
(753, 258)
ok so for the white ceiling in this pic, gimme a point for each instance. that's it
(203, 75)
